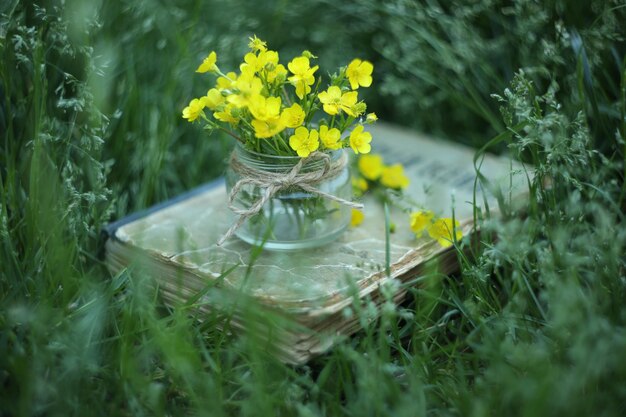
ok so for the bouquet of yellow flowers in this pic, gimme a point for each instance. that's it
(274, 110)
(287, 180)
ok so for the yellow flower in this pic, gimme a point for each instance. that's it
(267, 128)
(258, 63)
(371, 166)
(208, 64)
(253, 62)
(213, 99)
(393, 177)
(225, 83)
(266, 113)
(257, 44)
(247, 86)
(264, 108)
(442, 231)
(302, 77)
(271, 58)
(246, 72)
(330, 137)
(304, 142)
(293, 116)
(420, 220)
(226, 115)
(371, 118)
(359, 73)
(357, 218)
(359, 183)
(193, 110)
(360, 140)
(334, 101)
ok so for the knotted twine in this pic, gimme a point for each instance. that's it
(273, 182)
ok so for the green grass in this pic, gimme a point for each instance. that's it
(534, 324)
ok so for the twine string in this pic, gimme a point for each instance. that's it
(273, 182)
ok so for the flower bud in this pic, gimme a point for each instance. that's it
(235, 112)
(281, 77)
(371, 118)
(308, 54)
(359, 108)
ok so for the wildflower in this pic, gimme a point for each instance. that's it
(213, 99)
(330, 137)
(264, 109)
(420, 221)
(267, 128)
(371, 166)
(304, 142)
(258, 63)
(257, 44)
(225, 83)
(359, 73)
(334, 101)
(393, 177)
(357, 218)
(302, 77)
(293, 116)
(371, 118)
(193, 110)
(360, 140)
(247, 86)
(271, 59)
(442, 231)
(226, 114)
(208, 65)
(253, 62)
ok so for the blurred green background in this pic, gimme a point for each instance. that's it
(91, 96)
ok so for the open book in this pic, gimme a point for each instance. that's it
(311, 289)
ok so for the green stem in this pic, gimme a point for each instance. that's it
(222, 128)
(287, 148)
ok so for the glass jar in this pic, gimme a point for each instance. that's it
(292, 218)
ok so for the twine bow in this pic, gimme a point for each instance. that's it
(273, 182)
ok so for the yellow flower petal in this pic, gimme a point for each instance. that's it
(213, 98)
(442, 230)
(194, 109)
(393, 177)
(304, 142)
(331, 138)
(357, 218)
(208, 64)
(360, 140)
(371, 166)
(420, 220)
(264, 129)
(293, 116)
(359, 73)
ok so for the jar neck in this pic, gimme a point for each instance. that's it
(274, 163)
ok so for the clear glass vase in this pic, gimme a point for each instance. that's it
(292, 218)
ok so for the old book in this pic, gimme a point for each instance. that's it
(312, 290)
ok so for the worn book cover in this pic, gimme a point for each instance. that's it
(313, 287)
